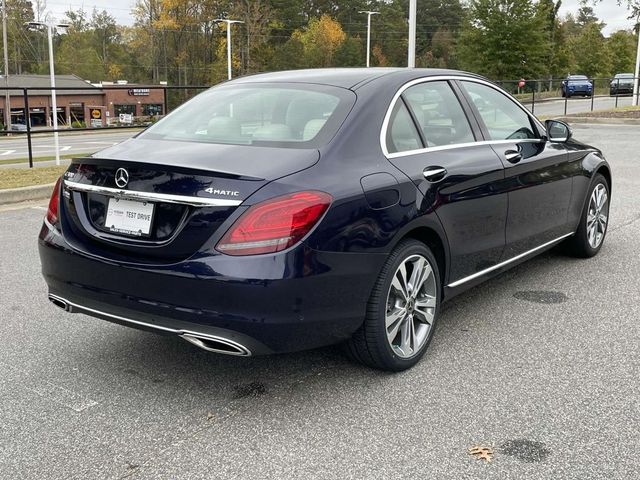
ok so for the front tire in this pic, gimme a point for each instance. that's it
(402, 310)
(592, 229)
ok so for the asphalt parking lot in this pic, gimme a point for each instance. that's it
(542, 364)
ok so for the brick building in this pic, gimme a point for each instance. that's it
(78, 100)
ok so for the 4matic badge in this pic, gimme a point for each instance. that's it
(227, 193)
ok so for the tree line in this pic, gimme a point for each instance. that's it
(178, 41)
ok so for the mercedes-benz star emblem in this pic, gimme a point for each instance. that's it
(122, 178)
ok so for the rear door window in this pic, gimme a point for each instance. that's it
(438, 114)
(402, 135)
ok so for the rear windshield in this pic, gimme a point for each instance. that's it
(278, 115)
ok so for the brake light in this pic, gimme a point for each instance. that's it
(54, 203)
(275, 224)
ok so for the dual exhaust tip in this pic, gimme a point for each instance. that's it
(210, 343)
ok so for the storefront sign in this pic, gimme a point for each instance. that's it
(125, 118)
(137, 92)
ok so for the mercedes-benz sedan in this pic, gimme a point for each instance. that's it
(292, 210)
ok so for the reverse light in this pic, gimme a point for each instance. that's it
(275, 224)
(54, 204)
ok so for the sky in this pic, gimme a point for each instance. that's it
(607, 10)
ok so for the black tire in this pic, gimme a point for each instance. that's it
(369, 345)
(579, 245)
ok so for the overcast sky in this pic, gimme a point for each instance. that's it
(607, 10)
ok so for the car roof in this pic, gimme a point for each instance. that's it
(349, 78)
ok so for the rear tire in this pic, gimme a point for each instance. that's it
(402, 310)
(594, 221)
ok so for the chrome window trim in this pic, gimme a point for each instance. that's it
(506, 262)
(152, 197)
(387, 118)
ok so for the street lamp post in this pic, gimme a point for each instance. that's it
(411, 54)
(637, 72)
(228, 22)
(369, 13)
(7, 94)
(51, 27)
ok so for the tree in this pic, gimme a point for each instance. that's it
(621, 47)
(503, 39)
(590, 52)
(321, 39)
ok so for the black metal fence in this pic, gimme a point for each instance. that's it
(543, 97)
(534, 93)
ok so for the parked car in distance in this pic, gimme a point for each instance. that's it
(292, 210)
(18, 127)
(577, 85)
(621, 83)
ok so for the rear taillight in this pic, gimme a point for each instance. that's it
(54, 204)
(275, 224)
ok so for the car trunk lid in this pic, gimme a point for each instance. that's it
(150, 201)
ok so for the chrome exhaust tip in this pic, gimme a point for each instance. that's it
(60, 302)
(217, 344)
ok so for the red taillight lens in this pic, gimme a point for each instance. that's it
(54, 202)
(275, 224)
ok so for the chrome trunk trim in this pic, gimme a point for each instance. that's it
(151, 196)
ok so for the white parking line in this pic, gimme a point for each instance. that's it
(8, 152)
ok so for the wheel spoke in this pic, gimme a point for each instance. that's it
(424, 316)
(395, 316)
(392, 332)
(426, 273)
(405, 337)
(416, 276)
(592, 236)
(400, 282)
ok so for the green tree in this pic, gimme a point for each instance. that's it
(590, 52)
(621, 46)
(503, 39)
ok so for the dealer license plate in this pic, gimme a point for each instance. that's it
(129, 217)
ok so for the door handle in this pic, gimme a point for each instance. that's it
(434, 174)
(513, 156)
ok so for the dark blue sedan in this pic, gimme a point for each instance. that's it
(292, 210)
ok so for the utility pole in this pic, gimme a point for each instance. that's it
(411, 55)
(51, 27)
(7, 94)
(369, 13)
(229, 23)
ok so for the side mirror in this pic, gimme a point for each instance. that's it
(558, 131)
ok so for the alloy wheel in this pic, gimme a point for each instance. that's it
(411, 306)
(597, 215)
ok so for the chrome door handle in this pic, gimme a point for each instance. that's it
(434, 174)
(513, 156)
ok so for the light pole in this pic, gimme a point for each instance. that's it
(411, 54)
(51, 27)
(7, 94)
(369, 13)
(228, 22)
(637, 72)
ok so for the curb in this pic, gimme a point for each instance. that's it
(25, 194)
(601, 120)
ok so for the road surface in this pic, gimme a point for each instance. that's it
(16, 147)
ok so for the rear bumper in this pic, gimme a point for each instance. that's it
(293, 300)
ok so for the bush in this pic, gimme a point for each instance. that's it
(78, 124)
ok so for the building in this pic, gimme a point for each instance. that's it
(78, 100)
